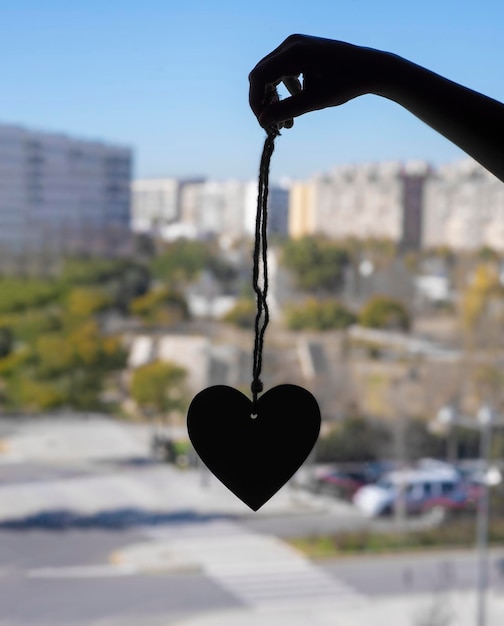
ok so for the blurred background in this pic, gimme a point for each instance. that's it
(128, 164)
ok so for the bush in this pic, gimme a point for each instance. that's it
(243, 314)
(385, 312)
(317, 263)
(355, 440)
(161, 306)
(159, 387)
(319, 315)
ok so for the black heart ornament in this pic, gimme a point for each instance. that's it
(253, 455)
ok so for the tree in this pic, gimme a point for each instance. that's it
(482, 301)
(159, 387)
(32, 395)
(181, 261)
(385, 312)
(18, 295)
(6, 341)
(162, 305)
(355, 440)
(319, 315)
(78, 271)
(420, 443)
(243, 313)
(317, 263)
(84, 301)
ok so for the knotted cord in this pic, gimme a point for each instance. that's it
(261, 263)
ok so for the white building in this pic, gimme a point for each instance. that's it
(464, 208)
(379, 200)
(59, 193)
(278, 208)
(156, 206)
(228, 208)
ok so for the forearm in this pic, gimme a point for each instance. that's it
(469, 119)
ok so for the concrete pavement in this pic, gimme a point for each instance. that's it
(446, 609)
(102, 448)
(71, 438)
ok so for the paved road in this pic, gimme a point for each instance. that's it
(260, 570)
(415, 573)
(64, 577)
(61, 522)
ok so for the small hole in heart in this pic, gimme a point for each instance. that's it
(253, 416)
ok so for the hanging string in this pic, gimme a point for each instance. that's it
(260, 283)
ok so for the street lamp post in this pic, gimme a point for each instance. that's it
(485, 421)
(447, 416)
(401, 386)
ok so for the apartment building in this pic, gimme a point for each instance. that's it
(156, 205)
(464, 208)
(379, 200)
(59, 193)
(170, 208)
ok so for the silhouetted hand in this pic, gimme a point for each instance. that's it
(333, 73)
(320, 73)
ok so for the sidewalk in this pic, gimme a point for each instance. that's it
(71, 438)
(102, 448)
(446, 609)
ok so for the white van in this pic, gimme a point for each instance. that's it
(422, 487)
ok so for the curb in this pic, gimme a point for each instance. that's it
(153, 561)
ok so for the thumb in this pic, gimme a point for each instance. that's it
(286, 109)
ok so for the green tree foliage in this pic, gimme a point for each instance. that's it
(159, 387)
(17, 295)
(316, 314)
(54, 353)
(26, 326)
(357, 440)
(33, 395)
(162, 305)
(479, 299)
(85, 301)
(385, 312)
(82, 347)
(318, 264)
(243, 314)
(91, 271)
(420, 443)
(18, 361)
(353, 440)
(6, 341)
(121, 280)
(181, 261)
(132, 283)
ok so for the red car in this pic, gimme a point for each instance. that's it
(341, 483)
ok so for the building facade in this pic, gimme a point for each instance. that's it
(382, 200)
(62, 194)
(464, 208)
(198, 209)
(156, 205)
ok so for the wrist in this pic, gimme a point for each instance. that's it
(387, 73)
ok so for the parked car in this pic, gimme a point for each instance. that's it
(343, 482)
(437, 489)
(340, 483)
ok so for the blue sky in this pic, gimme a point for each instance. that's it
(170, 80)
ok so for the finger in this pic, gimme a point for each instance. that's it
(287, 109)
(278, 68)
(293, 84)
(294, 87)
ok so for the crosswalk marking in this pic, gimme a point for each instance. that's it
(82, 571)
(260, 570)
